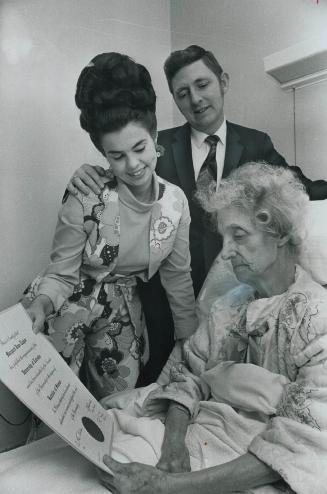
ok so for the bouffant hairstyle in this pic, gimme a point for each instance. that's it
(112, 91)
(181, 58)
(273, 196)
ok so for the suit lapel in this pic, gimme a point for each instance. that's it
(182, 153)
(234, 149)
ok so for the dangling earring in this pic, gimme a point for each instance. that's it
(109, 174)
(160, 150)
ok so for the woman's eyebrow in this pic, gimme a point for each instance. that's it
(142, 141)
(117, 151)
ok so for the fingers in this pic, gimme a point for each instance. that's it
(106, 479)
(96, 173)
(108, 482)
(38, 323)
(101, 171)
(164, 466)
(71, 187)
(37, 319)
(104, 476)
(178, 377)
(87, 178)
(91, 176)
(83, 185)
(174, 465)
(314, 352)
(113, 465)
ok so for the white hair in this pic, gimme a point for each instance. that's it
(273, 196)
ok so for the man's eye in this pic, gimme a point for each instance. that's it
(182, 94)
(203, 84)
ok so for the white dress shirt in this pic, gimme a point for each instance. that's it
(200, 150)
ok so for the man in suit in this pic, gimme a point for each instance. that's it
(198, 85)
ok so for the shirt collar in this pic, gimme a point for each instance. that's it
(198, 137)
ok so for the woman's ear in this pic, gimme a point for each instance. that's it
(283, 239)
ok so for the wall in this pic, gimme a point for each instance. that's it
(241, 33)
(311, 128)
(44, 45)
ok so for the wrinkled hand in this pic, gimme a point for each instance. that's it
(135, 478)
(86, 179)
(314, 353)
(175, 458)
(38, 311)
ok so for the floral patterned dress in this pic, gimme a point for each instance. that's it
(102, 244)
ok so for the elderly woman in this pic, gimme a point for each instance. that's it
(246, 410)
(248, 406)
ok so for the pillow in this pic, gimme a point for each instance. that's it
(313, 255)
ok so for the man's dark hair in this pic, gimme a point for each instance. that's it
(181, 58)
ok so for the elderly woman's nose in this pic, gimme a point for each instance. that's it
(228, 250)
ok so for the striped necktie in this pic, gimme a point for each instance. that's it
(210, 162)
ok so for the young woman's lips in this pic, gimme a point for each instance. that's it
(137, 173)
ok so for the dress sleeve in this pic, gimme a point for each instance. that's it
(295, 441)
(183, 374)
(69, 240)
(184, 384)
(175, 275)
(206, 348)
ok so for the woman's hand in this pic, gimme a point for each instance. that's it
(314, 353)
(86, 179)
(135, 478)
(175, 457)
(39, 309)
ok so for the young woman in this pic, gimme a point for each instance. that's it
(87, 299)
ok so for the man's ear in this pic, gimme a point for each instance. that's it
(224, 82)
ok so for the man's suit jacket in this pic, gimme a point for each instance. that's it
(175, 165)
(242, 145)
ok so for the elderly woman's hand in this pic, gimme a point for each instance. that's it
(314, 353)
(175, 458)
(135, 478)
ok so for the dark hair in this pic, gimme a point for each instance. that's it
(113, 90)
(181, 58)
